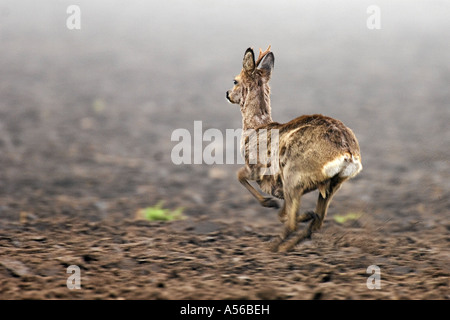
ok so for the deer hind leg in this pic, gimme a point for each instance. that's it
(323, 202)
(288, 215)
(318, 216)
(268, 202)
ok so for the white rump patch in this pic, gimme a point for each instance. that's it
(346, 166)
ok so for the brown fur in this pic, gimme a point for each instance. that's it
(315, 152)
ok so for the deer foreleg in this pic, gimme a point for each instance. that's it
(264, 201)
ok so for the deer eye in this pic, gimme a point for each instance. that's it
(235, 82)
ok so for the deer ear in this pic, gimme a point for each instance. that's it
(267, 63)
(249, 60)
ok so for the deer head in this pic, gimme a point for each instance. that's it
(251, 88)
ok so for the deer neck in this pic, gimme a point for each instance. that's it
(255, 108)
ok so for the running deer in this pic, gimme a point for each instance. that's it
(314, 152)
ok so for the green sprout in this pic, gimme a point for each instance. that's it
(158, 213)
(341, 219)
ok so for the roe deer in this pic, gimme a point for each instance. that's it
(314, 152)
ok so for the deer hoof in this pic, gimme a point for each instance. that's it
(274, 244)
(285, 248)
(270, 203)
